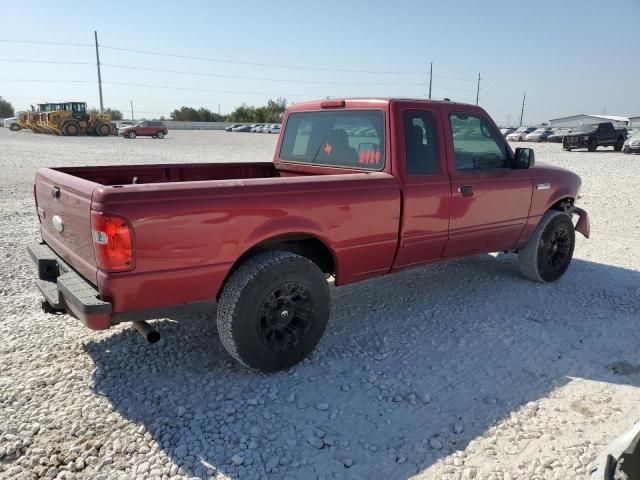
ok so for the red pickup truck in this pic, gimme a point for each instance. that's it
(358, 188)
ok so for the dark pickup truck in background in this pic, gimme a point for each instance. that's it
(358, 188)
(593, 136)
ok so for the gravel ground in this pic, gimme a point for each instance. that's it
(456, 370)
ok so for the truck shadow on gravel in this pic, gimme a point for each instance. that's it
(412, 367)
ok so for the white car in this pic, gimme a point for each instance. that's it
(122, 125)
(273, 128)
(519, 134)
(539, 134)
(11, 123)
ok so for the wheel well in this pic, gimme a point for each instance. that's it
(563, 205)
(304, 245)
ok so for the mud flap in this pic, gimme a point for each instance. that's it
(583, 226)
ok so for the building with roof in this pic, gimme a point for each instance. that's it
(634, 121)
(586, 119)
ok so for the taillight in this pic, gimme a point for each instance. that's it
(112, 242)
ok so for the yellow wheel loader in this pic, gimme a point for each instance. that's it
(73, 119)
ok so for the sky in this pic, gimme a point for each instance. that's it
(569, 56)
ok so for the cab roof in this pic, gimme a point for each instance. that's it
(373, 101)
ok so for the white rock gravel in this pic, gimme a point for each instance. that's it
(457, 370)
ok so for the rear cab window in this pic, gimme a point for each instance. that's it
(345, 139)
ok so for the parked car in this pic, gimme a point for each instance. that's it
(12, 124)
(558, 135)
(243, 128)
(593, 136)
(519, 134)
(152, 129)
(632, 144)
(258, 239)
(231, 127)
(257, 127)
(274, 128)
(539, 134)
(507, 131)
(122, 125)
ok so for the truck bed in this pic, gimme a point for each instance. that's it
(191, 172)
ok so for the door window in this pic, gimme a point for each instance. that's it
(477, 144)
(421, 143)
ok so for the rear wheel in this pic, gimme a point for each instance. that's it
(70, 129)
(160, 135)
(619, 144)
(549, 252)
(273, 311)
(593, 145)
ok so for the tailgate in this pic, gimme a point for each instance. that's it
(64, 208)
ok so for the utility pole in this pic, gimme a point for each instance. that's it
(430, 79)
(478, 90)
(522, 111)
(218, 109)
(131, 102)
(95, 33)
(508, 120)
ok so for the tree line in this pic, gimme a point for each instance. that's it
(270, 113)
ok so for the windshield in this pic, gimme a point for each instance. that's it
(345, 138)
(539, 130)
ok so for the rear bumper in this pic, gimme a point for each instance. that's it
(64, 289)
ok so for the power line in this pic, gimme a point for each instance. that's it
(216, 75)
(167, 87)
(256, 64)
(34, 42)
(266, 79)
(54, 62)
(454, 78)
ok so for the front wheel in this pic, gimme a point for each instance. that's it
(549, 252)
(14, 127)
(160, 135)
(593, 145)
(273, 311)
(132, 135)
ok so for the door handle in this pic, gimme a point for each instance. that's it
(465, 190)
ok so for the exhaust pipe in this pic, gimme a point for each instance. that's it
(147, 331)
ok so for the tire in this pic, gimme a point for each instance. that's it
(251, 317)
(593, 145)
(103, 129)
(619, 144)
(549, 252)
(14, 127)
(132, 135)
(70, 129)
(160, 135)
(565, 146)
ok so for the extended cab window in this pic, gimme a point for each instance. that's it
(477, 144)
(345, 138)
(421, 142)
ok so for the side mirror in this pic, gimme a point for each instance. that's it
(523, 158)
